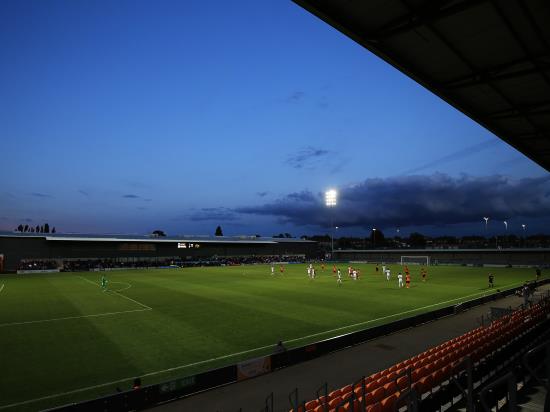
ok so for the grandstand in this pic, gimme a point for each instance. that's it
(124, 250)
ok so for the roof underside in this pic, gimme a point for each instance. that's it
(489, 59)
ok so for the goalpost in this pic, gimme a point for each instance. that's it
(415, 260)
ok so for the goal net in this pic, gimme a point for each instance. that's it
(415, 260)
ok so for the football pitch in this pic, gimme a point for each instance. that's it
(63, 338)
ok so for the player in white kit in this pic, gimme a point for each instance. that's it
(388, 274)
(339, 278)
(400, 279)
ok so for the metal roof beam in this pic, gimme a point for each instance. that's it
(519, 40)
(536, 108)
(427, 14)
(501, 72)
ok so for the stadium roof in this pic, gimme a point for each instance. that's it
(489, 59)
(78, 237)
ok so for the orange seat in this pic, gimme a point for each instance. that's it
(378, 395)
(425, 384)
(388, 403)
(311, 404)
(375, 407)
(372, 386)
(376, 376)
(346, 389)
(390, 388)
(382, 381)
(335, 393)
(334, 401)
(403, 382)
(368, 399)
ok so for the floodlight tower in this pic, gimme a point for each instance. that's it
(486, 223)
(330, 201)
(374, 238)
(523, 227)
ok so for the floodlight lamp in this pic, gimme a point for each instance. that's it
(330, 197)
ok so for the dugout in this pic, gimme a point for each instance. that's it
(501, 257)
(16, 247)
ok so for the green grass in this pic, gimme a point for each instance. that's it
(60, 333)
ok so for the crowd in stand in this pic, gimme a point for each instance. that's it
(37, 265)
(99, 264)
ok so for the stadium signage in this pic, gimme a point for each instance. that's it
(254, 367)
(177, 384)
(184, 245)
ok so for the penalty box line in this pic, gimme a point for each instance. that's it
(238, 353)
(118, 293)
(95, 315)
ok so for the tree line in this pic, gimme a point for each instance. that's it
(45, 228)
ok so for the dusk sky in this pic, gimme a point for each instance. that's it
(131, 116)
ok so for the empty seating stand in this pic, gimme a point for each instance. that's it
(428, 375)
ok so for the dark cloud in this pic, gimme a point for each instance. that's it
(214, 213)
(405, 201)
(306, 158)
(295, 96)
(459, 154)
(28, 220)
(84, 193)
(41, 195)
(262, 194)
(130, 196)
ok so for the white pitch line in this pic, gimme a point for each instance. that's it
(119, 294)
(128, 286)
(96, 315)
(236, 354)
(2, 287)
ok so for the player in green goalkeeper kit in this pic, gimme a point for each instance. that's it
(103, 282)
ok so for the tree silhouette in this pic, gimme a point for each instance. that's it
(219, 231)
(53, 230)
(46, 228)
(417, 239)
(159, 233)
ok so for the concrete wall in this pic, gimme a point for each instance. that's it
(453, 256)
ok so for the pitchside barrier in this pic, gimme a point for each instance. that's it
(152, 395)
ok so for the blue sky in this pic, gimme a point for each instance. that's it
(131, 116)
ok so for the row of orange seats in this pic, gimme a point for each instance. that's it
(429, 369)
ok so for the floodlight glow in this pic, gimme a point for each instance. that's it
(506, 224)
(330, 197)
